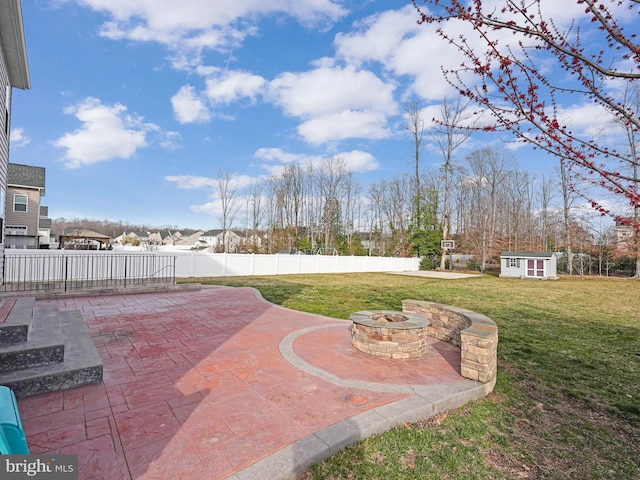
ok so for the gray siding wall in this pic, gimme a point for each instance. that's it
(29, 218)
(4, 147)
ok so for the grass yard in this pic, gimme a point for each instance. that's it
(567, 401)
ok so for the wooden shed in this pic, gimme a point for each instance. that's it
(536, 265)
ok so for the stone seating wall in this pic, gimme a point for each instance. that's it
(475, 334)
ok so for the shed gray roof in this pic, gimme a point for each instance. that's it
(25, 176)
(527, 254)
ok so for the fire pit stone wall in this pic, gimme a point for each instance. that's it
(475, 334)
(389, 334)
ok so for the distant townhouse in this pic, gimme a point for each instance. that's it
(24, 222)
(623, 231)
(220, 241)
(188, 238)
(155, 238)
(135, 238)
(170, 238)
(44, 229)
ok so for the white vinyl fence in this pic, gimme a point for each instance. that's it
(197, 264)
(63, 269)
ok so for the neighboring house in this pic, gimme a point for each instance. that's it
(138, 238)
(170, 238)
(538, 265)
(14, 73)
(44, 229)
(623, 231)
(179, 239)
(25, 187)
(155, 238)
(189, 240)
(216, 240)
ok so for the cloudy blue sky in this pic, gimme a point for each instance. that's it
(137, 105)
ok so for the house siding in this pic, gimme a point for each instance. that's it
(4, 148)
(31, 216)
(14, 72)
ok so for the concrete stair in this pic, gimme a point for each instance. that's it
(43, 349)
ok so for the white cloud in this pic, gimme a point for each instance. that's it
(169, 140)
(335, 103)
(588, 119)
(18, 137)
(214, 206)
(188, 26)
(222, 88)
(230, 86)
(378, 37)
(191, 182)
(279, 155)
(329, 90)
(107, 132)
(188, 107)
(195, 182)
(276, 158)
(359, 161)
(394, 40)
(344, 125)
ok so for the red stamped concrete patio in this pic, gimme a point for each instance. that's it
(218, 383)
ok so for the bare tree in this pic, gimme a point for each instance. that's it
(226, 190)
(488, 171)
(567, 204)
(631, 98)
(256, 212)
(351, 208)
(546, 193)
(448, 139)
(415, 127)
(517, 207)
(330, 179)
(397, 209)
(378, 237)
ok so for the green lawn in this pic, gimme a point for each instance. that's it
(567, 401)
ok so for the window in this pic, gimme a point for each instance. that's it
(16, 230)
(513, 262)
(20, 203)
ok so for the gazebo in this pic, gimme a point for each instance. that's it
(81, 239)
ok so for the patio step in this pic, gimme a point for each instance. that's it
(15, 316)
(58, 353)
(44, 344)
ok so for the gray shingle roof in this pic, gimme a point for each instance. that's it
(25, 176)
(527, 254)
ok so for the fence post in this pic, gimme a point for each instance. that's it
(65, 270)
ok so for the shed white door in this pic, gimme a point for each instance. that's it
(535, 268)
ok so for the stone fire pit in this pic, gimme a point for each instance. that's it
(389, 334)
